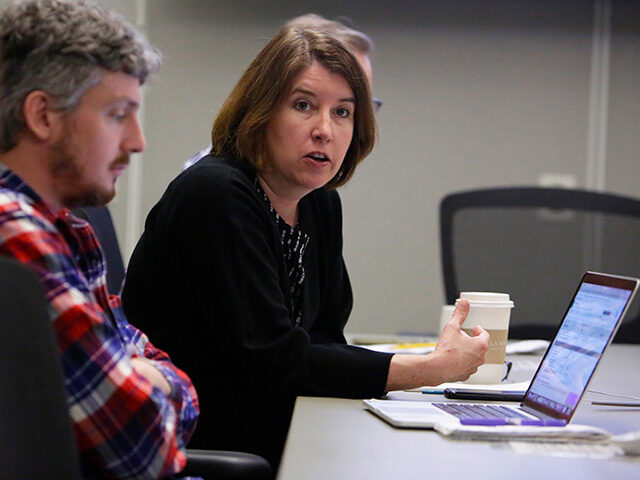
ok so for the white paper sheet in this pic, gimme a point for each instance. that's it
(573, 450)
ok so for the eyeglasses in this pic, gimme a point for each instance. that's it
(377, 103)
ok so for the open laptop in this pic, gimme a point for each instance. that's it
(589, 324)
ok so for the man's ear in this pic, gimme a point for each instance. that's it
(39, 116)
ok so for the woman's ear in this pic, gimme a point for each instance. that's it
(40, 119)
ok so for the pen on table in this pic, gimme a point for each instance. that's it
(615, 394)
(494, 422)
(617, 404)
(433, 392)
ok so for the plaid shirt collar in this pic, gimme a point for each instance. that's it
(77, 232)
(11, 181)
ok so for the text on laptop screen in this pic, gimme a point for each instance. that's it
(578, 346)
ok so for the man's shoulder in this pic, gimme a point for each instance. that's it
(18, 206)
(10, 199)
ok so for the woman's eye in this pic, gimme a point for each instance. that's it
(303, 106)
(343, 112)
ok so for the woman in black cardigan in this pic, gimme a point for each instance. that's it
(239, 272)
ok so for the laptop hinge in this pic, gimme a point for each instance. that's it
(538, 413)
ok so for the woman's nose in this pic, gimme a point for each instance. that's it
(322, 128)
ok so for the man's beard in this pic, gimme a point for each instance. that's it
(69, 176)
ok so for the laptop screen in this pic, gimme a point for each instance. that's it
(571, 359)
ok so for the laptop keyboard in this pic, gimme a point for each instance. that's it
(474, 410)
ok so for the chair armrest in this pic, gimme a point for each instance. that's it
(223, 465)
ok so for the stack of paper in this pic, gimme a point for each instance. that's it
(418, 348)
(569, 433)
(421, 347)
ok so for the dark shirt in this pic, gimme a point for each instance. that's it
(294, 242)
(209, 281)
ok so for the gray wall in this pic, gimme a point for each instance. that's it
(476, 93)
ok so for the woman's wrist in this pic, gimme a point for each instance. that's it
(412, 371)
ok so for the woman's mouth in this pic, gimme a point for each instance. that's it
(318, 157)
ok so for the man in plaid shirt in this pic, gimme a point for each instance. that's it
(70, 87)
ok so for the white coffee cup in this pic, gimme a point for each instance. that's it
(491, 311)
(445, 316)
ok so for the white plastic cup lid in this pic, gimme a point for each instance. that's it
(487, 298)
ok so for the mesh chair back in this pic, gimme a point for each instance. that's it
(535, 244)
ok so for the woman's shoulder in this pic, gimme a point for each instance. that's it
(216, 189)
(213, 177)
(217, 169)
(325, 200)
(324, 207)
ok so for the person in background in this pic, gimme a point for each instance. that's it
(70, 87)
(240, 271)
(359, 43)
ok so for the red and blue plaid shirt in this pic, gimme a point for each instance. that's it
(125, 427)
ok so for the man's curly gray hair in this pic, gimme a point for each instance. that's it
(57, 46)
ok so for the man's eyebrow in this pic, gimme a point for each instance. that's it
(312, 94)
(125, 102)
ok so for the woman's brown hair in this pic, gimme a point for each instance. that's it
(239, 129)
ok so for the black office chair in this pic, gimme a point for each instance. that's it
(102, 223)
(535, 244)
(36, 438)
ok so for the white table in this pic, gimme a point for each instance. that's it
(334, 439)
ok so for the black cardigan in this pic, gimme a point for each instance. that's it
(208, 283)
